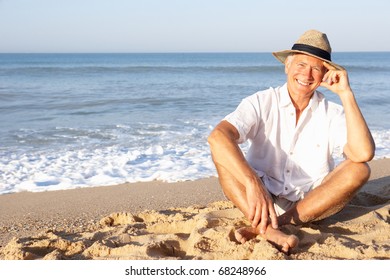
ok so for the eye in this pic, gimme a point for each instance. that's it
(317, 69)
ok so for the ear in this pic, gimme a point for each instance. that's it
(287, 63)
(286, 67)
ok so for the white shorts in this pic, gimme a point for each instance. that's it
(282, 205)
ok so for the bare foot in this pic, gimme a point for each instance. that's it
(280, 240)
(244, 234)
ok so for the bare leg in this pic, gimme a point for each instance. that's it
(236, 193)
(336, 190)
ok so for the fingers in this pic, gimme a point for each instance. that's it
(332, 75)
(258, 216)
(329, 66)
(263, 215)
(264, 219)
(331, 78)
(260, 211)
(335, 80)
(273, 216)
(252, 213)
(268, 213)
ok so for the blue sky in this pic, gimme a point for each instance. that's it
(189, 25)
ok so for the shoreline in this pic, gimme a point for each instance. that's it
(81, 211)
(26, 213)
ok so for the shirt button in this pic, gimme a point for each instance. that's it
(288, 171)
(286, 188)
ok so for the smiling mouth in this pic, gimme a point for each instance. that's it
(303, 83)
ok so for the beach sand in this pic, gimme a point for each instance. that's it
(185, 220)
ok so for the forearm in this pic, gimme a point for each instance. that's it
(360, 144)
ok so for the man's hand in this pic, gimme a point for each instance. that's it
(260, 207)
(336, 80)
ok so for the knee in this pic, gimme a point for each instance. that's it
(364, 171)
(359, 173)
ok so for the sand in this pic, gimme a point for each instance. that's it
(181, 221)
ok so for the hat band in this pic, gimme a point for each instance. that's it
(312, 50)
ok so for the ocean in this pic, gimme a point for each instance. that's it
(82, 120)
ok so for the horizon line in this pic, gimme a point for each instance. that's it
(175, 52)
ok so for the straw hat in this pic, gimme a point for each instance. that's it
(313, 43)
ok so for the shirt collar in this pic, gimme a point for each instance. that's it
(285, 99)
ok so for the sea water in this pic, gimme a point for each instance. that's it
(80, 120)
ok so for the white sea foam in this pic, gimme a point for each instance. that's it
(67, 169)
(152, 152)
(382, 142)
(111, 165)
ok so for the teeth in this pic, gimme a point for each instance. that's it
(303, 83)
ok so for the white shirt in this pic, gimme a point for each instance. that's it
(290, 158)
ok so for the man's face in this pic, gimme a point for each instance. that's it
(304, 74)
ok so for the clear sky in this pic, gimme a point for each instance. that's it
(189, 25)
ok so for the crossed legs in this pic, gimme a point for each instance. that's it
(335, 191)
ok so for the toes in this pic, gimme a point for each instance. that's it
(239, 237)
(292, 241)
(242, 235)
(285, 248)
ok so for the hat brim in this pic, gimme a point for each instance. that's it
(282, 55)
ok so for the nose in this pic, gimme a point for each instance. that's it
(307, 73)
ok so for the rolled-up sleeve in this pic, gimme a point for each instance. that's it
(245, 119)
